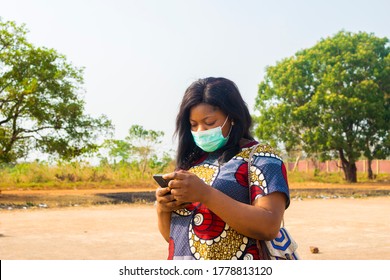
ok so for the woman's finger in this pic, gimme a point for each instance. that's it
(161, 191)
(169, 176)
(176, 175)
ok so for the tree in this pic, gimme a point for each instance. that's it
(143, 144)
(118, 150)
(40, 101)
(332, 98)
(139, 147)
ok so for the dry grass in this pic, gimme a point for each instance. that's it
(78, 175)
(40, 185)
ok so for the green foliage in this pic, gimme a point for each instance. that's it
(137, 150)
(159, 165)
(330, 99)
(144, 143)
(40, 101)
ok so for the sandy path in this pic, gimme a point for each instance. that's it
(341, 228)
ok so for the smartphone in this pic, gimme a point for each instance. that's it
(160, 180)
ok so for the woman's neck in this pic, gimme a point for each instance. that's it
(243, 142)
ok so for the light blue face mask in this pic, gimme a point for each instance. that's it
(212, 139)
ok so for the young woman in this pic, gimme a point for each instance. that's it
(209, 211)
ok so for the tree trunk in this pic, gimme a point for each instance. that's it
(296, 163)
(316, 165)
(348, 168)
(369, 170)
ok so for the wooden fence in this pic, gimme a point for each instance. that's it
(377, 166)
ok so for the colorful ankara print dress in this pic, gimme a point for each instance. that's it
(197, 233)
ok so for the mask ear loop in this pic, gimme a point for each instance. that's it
(225, 121)
(224, 125)
(231, 126)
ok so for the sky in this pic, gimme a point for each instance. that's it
(140, 56)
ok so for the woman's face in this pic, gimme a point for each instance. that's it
(204, 116)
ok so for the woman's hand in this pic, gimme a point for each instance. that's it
(166, 201)
(186, 186)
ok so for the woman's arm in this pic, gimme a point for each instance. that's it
(165, 204)
(261, 220)
(164, 223)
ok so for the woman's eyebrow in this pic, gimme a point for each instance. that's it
(205, 118)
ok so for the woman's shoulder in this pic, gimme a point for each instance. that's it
(260, 150)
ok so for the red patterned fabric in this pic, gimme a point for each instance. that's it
(198, 233)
